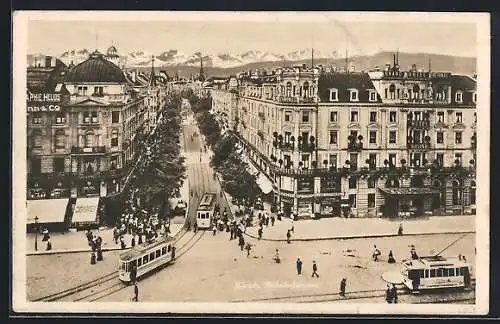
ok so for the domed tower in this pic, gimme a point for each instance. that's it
(112, 55)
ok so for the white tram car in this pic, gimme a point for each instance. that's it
(145, 258)
(435, 272)
(205, 211)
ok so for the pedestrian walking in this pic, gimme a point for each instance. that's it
(315, 270)
(376, 253)
(343, 284)
(195, 227)
(132, 243)
(248, 247)
(299, 266)
(288, 235)
(260, 232)
(49, 245)
(139, 241)
(214, 229)
(99, 254)
(267, 221)
(394, 294)
(391, 257)
(241, 242)
(272, 220)
(92, 258)
(400, 229)
(388, 294)
(136, 293)
(122, 243)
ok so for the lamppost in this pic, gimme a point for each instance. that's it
(36, 233)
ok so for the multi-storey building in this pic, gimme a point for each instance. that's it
(382, 143)
(83, 128)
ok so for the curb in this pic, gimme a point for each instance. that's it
(358, 236)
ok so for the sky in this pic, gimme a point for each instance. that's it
(239, 34)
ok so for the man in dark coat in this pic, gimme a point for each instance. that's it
(136, 293)
(343, 284)
(299, 266)
(315, 270)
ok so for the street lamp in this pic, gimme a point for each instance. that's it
(36, 233)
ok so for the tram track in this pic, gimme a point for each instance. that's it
(355, 295)
(182, 251)
(87, 288)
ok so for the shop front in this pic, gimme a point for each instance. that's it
(89, 188)
(330, 207)
(305, 207)
(407, 202)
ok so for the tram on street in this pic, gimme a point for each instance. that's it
(145, 258)
(435, 272)
(205, 211)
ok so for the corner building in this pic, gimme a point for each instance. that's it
(386, 143)
(85, 148)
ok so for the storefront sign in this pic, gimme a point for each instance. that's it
(305, 184)
(44, 102)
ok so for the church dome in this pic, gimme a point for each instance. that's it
(96, 69)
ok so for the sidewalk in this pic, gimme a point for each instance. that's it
(348, 228)
(73, 242)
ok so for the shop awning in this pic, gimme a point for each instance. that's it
(85, 210)
(264, 183)
(47, 210)
(409, 191)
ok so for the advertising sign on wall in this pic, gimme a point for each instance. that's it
(44, 102)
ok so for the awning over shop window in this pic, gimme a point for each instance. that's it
(47, 210)
(85, 210)
(409, 191)
(264, 183)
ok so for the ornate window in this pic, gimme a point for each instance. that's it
(89, 139)
(60, 139)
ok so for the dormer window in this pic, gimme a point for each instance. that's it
(458, 97)
(354, 95)
(334, 95)
(372, 95)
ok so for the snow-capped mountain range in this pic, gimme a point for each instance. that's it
(220, 60)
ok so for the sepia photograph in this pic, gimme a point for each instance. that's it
(251, 162)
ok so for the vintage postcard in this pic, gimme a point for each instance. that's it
(251, 162)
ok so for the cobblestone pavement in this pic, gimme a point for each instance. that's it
(358, 227)
(217, 271)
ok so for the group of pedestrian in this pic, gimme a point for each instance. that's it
(95, 242)
(376, 254)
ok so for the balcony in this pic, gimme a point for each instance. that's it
(292, 100)
(421, 124)
(419, 146)
(88, 150)
(286, 146)
(354, 146)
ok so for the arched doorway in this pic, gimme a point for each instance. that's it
(417, 203)
(457, 193)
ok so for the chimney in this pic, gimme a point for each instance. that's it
(48, 60)
(387, 67)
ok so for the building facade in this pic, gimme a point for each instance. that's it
(386, 143)
(86, 145)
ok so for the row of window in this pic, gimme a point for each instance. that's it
(354, 117)
(416, 93)
(153, 255)
(416, 159)
(418, 137)
(89, 139)
(58, 164)
(82, 91)
(88, 118)
(353, 95)
(441, 272)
